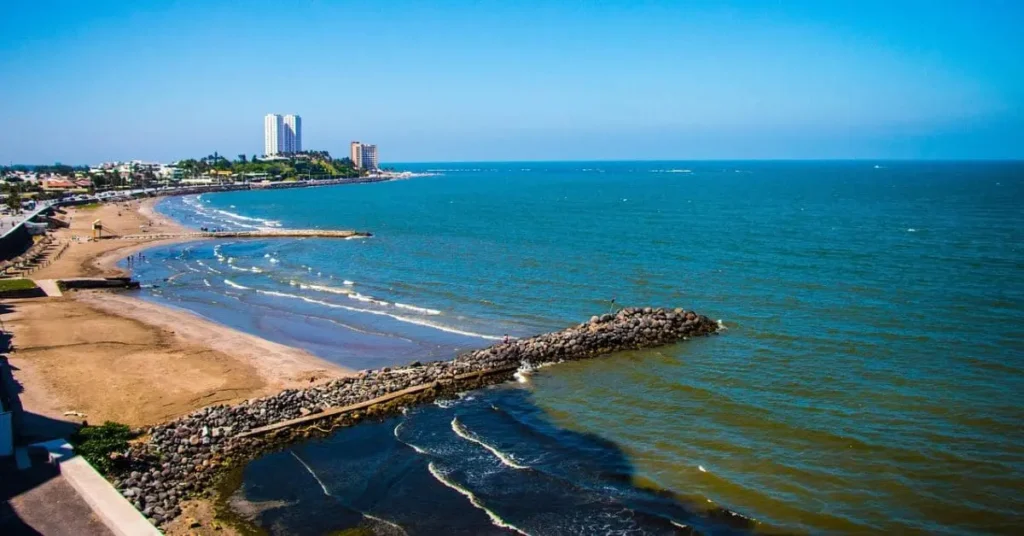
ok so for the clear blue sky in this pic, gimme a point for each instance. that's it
(87, 81)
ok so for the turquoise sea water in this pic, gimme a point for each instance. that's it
(870, 379)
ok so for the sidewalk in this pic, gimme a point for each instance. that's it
(39, 501)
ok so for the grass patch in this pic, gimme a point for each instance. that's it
(16, 284)
(101, 445)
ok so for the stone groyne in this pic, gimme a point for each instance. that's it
(185, 457)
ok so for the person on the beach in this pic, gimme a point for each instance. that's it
(506, 338)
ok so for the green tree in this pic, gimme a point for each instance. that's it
(14, 200)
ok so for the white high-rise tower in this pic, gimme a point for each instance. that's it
(273, 130)
(292, 134)
(282, 134)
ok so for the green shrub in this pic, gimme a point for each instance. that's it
(97, 443)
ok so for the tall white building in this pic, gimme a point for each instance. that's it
(282, 134)
(273, 128)
(364, 156)
(292, 134)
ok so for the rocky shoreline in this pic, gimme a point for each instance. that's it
(185, 457)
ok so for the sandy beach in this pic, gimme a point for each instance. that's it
(100, 356)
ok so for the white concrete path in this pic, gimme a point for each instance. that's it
(110, 506)
(49, 286)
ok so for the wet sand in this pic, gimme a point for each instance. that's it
(111, 356)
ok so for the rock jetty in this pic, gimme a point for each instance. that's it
(184, 457)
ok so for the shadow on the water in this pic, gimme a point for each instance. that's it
(490, 463)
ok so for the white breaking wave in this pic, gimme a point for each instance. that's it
(237, 269)
(414, 447)
(191, 269)
(522, 375)
(200, 209)
(423, 310)
(232, 284)
(208, 267)
(347, 282)
(205, 282)
(325, 288)
(506, 459)
(234, 216)
(472, 499)
(380, 313)
(385, 521)
(255, 270)
(366, 299)
(310, 469)
(274, 260)
(328, 493)
(671, 171)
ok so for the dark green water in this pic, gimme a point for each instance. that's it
(870, 379)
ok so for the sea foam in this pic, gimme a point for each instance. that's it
(400, 318)
(506, 459)
(497, 521)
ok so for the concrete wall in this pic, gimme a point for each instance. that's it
(14, 243)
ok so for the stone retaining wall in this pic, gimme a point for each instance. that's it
(183, 457)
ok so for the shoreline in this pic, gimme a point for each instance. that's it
(164, 362)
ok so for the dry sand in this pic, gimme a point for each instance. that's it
(110, 356)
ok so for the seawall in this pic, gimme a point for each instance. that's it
(15, 242)
(186, 456)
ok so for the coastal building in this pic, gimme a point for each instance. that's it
(282, 134)
(273, 124)
(355, 153)
(292, 134)
(364, 156)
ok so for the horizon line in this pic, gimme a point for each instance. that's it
(616, 160)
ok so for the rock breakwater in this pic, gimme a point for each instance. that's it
(184, 457)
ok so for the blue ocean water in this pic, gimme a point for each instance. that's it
(869, 380)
